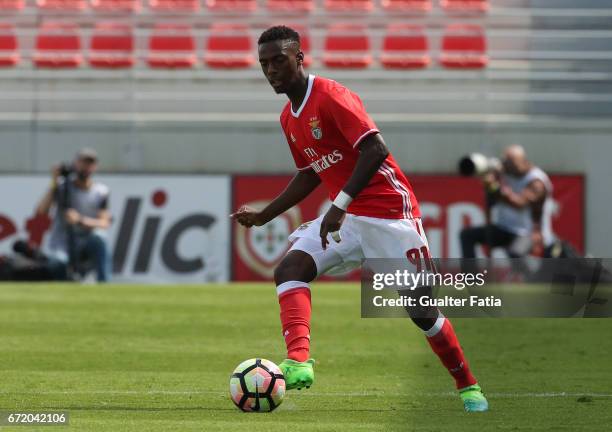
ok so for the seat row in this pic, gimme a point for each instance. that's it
(250, 5)
(231, 46)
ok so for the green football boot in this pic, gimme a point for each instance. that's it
(297, 374)
(474, 399)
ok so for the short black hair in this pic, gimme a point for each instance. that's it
(280, 32)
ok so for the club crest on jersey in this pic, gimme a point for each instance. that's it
(317, 133)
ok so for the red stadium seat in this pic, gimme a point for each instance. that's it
(405, 47)
(464, 47)
(305, 42)
(72, 5)
(418, 6)
(9, 47)
(175, 5)
(116, 5)
(290, 5)
(171, 46)
(58, 46)
(305, 46)
(8, 5)
(349, 5)
(229, 46)
(347, 46)
(112, 46)
(465, 5)
(232, 5)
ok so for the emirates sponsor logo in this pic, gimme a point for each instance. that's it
(326, 161)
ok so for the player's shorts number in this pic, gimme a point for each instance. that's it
(417, 257)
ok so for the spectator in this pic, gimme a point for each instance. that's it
(520, 197)
(80, 218)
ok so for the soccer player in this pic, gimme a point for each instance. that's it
(374, 213)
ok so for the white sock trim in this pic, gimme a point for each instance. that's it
(289, 285)
(436, 327)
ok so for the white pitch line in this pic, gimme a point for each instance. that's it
(307, 393)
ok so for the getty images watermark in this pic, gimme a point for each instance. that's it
(519, 287)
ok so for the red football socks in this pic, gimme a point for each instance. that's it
(295, 310)
(445, 344)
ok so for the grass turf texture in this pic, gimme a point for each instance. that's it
(158, 358)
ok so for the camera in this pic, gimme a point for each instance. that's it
(65, 169)
(478, 164)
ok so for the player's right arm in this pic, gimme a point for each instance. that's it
(302, 184)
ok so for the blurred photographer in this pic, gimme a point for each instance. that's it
(80, 219)
(519, 205)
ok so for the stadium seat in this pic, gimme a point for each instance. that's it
(58, 45)
(11, 5)
(405, 47)
(116, 5)
(111, 46)
(347, 46)
(464, 47)
(296, 6)
(305, 45)
(418, 6)
(349, 5)
(465, 5)
(9, 47)
(68, 5)
(171, 46)
(232, 5)
(229, 46)
(174, 5)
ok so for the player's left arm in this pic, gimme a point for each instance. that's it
(372, 153)
(532, 196)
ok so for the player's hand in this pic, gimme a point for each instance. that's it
(248, 217)
(72, 216)
(331, 224)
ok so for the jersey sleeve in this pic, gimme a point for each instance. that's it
(300, 162)
(346, 110)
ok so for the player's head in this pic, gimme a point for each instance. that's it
(280, 57)
(515, 160)
(85, 163)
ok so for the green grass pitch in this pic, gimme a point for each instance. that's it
(158, 358)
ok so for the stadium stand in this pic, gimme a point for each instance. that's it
(405, 46)
(172, 46)
(62, 5)
(238, 6)
(9, 50)
(11, 5)
(347, 46)
(464, 47)
(116, 6)
(305, 44)
(349, 5)
(58, 45)
(174, 5)
(229, 46)
(406, 5)
(516, 58)
(465, 5)
(292, 6)
(111, 46)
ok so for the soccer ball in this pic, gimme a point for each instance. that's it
(257, 385)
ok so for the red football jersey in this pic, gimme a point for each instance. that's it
(323, 134)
